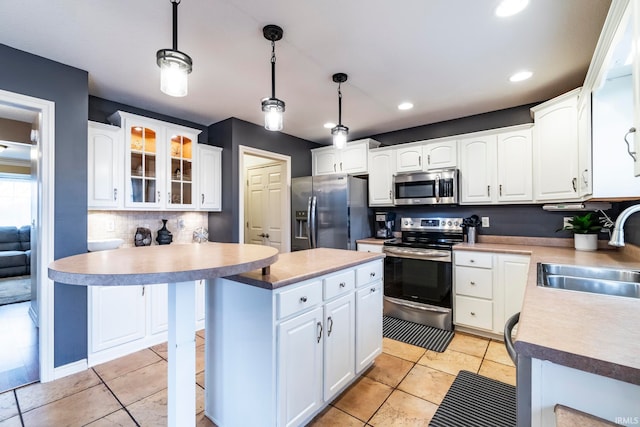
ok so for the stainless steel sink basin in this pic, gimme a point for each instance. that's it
(608, 281)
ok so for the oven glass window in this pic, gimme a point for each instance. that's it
(423, 281)
(415, 190)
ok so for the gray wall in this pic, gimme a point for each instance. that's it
(35, 76)
(229, 134)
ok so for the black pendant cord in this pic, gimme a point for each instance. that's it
(339, 106)
(175, 23)
(273, 69)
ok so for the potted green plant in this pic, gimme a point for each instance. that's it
(585, 229)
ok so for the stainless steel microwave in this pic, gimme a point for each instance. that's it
(438, 187)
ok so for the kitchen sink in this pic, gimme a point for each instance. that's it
(608, 281)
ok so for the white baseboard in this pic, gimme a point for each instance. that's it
(34, 315)
(71, 368)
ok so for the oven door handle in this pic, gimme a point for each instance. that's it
(418, 257)
(437, 189)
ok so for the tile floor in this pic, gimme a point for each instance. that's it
(18, 333)
(403, 388)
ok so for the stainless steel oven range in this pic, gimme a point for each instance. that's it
(418, 274)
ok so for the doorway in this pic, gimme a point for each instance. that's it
(264, 198)
(35, 318)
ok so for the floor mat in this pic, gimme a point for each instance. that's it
(474, 400)
(416, 334)
(15, 289)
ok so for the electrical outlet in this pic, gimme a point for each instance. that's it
(111, 225)
(485, 221)
(180, 223)
(565, 222)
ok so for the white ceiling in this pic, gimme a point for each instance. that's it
(451, 58)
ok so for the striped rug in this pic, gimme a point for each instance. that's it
(474, 400)
(413, 333)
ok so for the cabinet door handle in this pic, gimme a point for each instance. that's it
(631, 153)
(390, 197)
(303, 299)
(419, 160)
(158, 197)
(334, 167)
(330, 320)
(473, 313)
(169, 197)
(340, 166)
(500, 189)
(585, 176)
(428, 159)
(115, 194)
(202, 198)
(488, 191)
(574, 184)
(143, 290)
(319, 324)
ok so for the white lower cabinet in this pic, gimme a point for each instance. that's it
(286, 353)
(125, 319)
(489, 288)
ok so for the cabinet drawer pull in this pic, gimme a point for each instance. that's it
(330, 321)
(342, 284)
(372, 274)
(473, 313)
(472, 283)
(372, 290)
(303, 299)
(472, 261)
(319, 324)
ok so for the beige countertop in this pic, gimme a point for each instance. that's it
(297, 266)
(374, 241)
(161, 264)
(591, 332)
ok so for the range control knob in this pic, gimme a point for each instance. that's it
(449, 223)
(443, 223)
(455, 223)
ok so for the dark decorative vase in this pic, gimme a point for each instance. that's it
(164, 236)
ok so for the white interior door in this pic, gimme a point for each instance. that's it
(265, 186)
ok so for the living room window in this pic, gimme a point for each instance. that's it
(15, 201)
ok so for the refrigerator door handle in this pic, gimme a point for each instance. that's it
(314, 223)
(308, 226)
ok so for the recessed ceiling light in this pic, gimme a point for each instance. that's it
(520, 76)
(329, 125)
(510, 7)
(405, 106)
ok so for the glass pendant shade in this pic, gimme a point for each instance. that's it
(273, 109)
(340, 133)
(174, 70)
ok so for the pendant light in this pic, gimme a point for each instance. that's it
(273, 107)
(339, 132)
(174, 65)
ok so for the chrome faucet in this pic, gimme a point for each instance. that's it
(617, 236)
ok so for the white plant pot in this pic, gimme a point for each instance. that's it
(586, 242)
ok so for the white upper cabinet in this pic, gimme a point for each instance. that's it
(555, 149)
(440, 154)
(351, 159)
(105, 167)
(209, 178)
(409, 158)
(159, 163)
(478, 169)
(382, 162)
(515, 180)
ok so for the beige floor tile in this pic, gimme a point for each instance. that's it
(363, 398)
(126, 364)
(200, 359)
(117, 419)
(402, 350)
(404, 410)
(140, 383)
(332, 417)
(78, 409)
(8, 406)
(498, 371)
(161, 350)
(389, 370)
(39, 394)
(427, 383)
(497, 352)
(11, 422)
(200, 333)
(200, 379)
(469, 344)
(203, 421)
(152, 410)
(450, 361)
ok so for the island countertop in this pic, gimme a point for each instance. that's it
(294, 267)
(591, 332)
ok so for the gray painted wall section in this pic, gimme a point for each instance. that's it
(35, 76)
(230, 134)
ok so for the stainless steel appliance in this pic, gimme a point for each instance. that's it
(418, 274)
(329, 211)
(438, 187)
(384, 224)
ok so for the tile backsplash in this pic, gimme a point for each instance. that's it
(119, 224)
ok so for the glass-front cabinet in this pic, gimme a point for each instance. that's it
(159, 163)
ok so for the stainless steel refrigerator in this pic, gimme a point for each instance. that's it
(329, 211)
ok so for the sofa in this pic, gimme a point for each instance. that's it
(15, 251)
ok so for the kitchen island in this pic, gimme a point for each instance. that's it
(281, 347)
(575, 348)
(180, 266)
